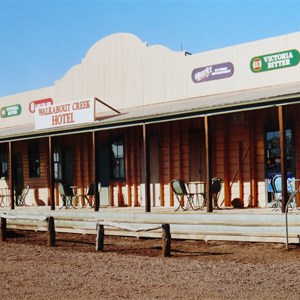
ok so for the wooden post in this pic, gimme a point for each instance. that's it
(50, 174)
(281, 119)
(100, 237)
(11, 175)
(208, 143)
(3, 229)
(147, 171)
(51, 232)
(166, 240)
(95, 175)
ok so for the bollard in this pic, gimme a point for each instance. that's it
(166, 240)
(3, 229)
(51, 232)
(100, 237)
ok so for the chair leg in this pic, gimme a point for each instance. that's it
(216, 205)
(181, 204)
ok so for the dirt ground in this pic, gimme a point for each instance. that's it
(131, 268)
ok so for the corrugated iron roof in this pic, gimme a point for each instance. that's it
(192, 107)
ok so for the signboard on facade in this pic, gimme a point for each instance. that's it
(63, 114)
(39, 103)
(274, 61)
(213, 72)
(11, 111)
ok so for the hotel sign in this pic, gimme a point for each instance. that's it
(274, 61)
(213, 72)
(39, 103)
(63, 114)
(11, 111)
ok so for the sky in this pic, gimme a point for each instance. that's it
(40, 40)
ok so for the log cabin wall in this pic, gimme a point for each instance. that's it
(176, 152)
(239, 155)
(39, 192)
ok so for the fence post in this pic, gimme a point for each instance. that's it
(166, 240)
(51, 231)
(100, 237)
(3, 229)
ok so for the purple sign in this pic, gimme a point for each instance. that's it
(213, 72)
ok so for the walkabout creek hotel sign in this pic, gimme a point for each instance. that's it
(64, 114)
(268, 62)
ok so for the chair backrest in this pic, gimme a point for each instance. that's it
(276, 184)
(91, 190)
(25, 191)
(216, 185)
(61, 189)
(179, 187)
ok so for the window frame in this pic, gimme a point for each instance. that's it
(3, 162)
(34, 162)
(117, 159)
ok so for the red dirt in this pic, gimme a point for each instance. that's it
(131, 268)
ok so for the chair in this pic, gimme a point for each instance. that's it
(1, 198)
(277, 190)
(22, 196)
(276, 185)
(181, 192)
(89, 195)
(216, 186)
(66, 195)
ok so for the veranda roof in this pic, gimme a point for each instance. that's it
(179, 109)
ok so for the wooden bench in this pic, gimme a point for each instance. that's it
(49, 220)
(136, 227)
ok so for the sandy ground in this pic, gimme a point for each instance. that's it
(131, 268)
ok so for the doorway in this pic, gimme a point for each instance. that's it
(273, 159)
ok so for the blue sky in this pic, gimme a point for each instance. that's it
(41, 40)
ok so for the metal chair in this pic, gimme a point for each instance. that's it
(89, 196)
(66, 196)
(277, 191)
(182, 192)
(276, 185)
(216, 186)
(22, 196)
(1, 198)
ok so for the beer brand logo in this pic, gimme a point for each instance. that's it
(275, 61)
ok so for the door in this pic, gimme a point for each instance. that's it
(103, 172)
(18, 174)
(154, 165)
(197, 169)
(273, 159)
(68, 167)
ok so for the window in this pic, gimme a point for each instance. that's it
(3, 162)
(117, 160)
(34, 159)
(57, 163)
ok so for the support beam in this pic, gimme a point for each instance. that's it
(11, 176)
(281, 120)
(253, 162)
(207, 128)
(147, 169)
(51, 173)
(96, 190)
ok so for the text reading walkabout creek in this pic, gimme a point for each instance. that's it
(64, 114)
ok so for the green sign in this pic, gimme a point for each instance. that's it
(274, 61)
(11, 111)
